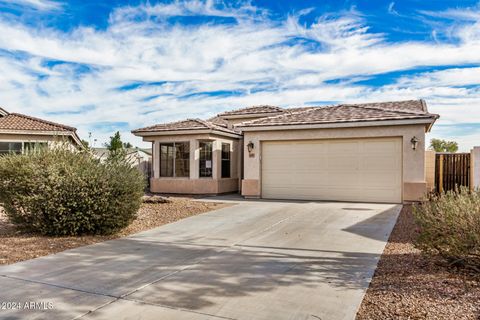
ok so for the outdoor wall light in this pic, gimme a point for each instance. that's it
(250, 146)
(414, 142)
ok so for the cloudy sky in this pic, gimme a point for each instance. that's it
(104, 66)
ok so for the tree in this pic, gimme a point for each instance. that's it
(85, 143)
(115, 143)
(127, 145)
(115, 147)
(440, 145)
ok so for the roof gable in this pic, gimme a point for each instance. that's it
(21, 122)
(188, 124)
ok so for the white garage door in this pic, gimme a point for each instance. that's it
(366, 170)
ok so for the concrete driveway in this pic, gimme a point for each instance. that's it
(255, 260)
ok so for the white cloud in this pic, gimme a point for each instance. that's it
(44, 5)
(252, 59)
(465, 14)
(391, 8)
(450, 77)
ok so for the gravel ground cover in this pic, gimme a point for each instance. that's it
(16, 246)
(409, 285)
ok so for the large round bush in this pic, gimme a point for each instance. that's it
(60, 192)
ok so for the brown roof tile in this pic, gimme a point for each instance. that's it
(16, 121)
(398, 110)
(299, 109)
(219, 121)
(416, 106)
(189, 124)
(252, 110)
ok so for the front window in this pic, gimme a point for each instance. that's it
(225, 160)
(182, 159)
(206, 162)
(10, 147)
(175, 159)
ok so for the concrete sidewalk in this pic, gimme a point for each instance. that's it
(255, 260)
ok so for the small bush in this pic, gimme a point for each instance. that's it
(450, 226)
(59, 192)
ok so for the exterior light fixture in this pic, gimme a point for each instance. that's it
(250, 146)
(414, 142)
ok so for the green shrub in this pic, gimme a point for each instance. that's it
(59, 192)
(449, 225)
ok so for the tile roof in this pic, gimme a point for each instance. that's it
(16, 121)
(219, 121)
(299, 109)
(398, 110)
(188, 124)
(252, 110)
(103, 152)
(417, 106)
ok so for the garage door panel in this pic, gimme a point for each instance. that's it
(342, 147)
(343, 180)
(384, 164)
(343, 170)
(379, 180)
(379, 147)
(341, 163)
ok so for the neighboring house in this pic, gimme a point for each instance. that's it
(373, 152)
(140, 158)
(19, 133)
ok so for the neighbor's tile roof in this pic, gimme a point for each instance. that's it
(252, 110)
(398, 110)
(189, 124)
(16, 121)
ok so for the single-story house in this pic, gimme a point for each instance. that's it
(133, 155)
(19, 132)
(372, 152)
(139, 158)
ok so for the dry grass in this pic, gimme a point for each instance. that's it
(16, 246)
(409, 285)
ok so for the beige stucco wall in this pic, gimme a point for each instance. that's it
(194, 184)
(430, 169)
(475, 158)
(414, 184)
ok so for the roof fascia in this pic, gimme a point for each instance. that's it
(185, 132)
(338, 125)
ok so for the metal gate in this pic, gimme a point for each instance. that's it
(452, 170)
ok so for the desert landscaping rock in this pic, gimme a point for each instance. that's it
(409, 285)
(155, 199)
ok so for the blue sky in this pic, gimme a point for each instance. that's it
(103, 66)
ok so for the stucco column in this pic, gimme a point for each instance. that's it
(430, 169)
(156, 159)
(217, 162)
(194, 157)
(251, 166)
(475, 167)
